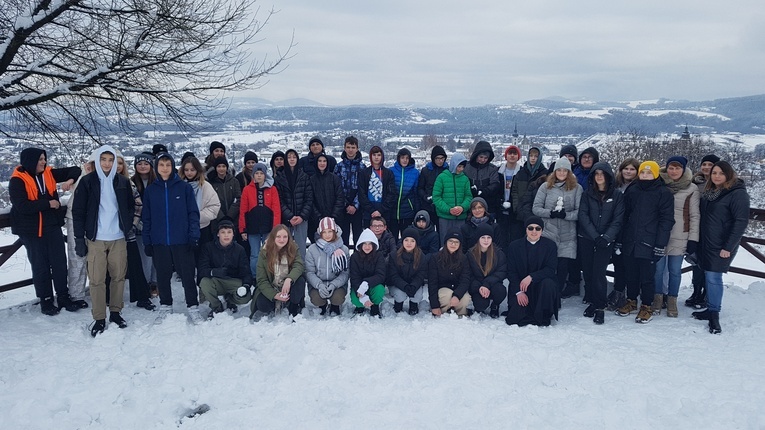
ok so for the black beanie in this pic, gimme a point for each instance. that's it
(436, 151)
(144, 156)
(220, 160)
(315, 139)
(534, 220)
(410, 232)
(710, 157)
(187, 155)
(454, 233)
(569, 150)
(249, 155)
(156, 149)
(485, 229)
(216, 145)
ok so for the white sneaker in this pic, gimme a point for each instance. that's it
(164, 311)
(194, 314)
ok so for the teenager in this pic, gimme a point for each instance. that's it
(103, 215)
(77, 267)
(531, 170)
(36, 219)
(428, 175)
(626, 175)
(484, 180)
(587, 159)
(308, 162)
(260, 211)
(406, 177)
(296, 198)
(204, 195)
(279, 278)
(505, 216)
(385, 240)
(449, 278)
(429, 242)
(378, 189)
(171, 235)
(143, 164)
(348, 170)
(452, 196)
(477, 216)
(245, 176)
(276, 163)
(327, 194)
(407, 270)
(224, 270)
(227, 188)
(488, 270)
(367, 274)
(326, 268)
(217, 150)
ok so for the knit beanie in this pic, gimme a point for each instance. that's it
(513, 148)
(485, 229)
(563, 163)
(220, 160)
(711, 158)
(327, 223)
(216, 145)
(679, 159)
(315, 139)
(454, 233)
(650, 165)
(259, 167)
(534, 220)
(144, 156)
(156, 149)
(226, 223)
(569, 150)
(187, 155)
(410, 232)
(482, 201)
(249, 155)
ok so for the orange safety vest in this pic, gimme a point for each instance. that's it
(33, 193)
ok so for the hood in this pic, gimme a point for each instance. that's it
(404, 151)
(456, 160)
(367, 236)
(160, 156)
(606, 168)
(482, 146)
(29, 158)
(422, 214)
(592, 151)
(96, 155)
(436, 151)
(315, 161)
(273, 157)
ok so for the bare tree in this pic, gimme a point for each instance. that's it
(429, 141)
(86, 66)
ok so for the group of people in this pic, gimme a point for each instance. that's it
(467, 233)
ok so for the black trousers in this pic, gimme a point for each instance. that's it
(47, 256)
(620, 273)
(594, 263)
(563, 270)
(640, 279)
(297, 297)
(349, 222)
(497, 294)
(543, 305)
(139, 288)
(180, 257)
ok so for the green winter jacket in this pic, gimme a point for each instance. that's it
(451, 189)
(265, 279)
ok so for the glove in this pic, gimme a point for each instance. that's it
(410, 290)
(657, 253)
(474, 190)
(558, 214)
(363, 288)
(219, 272)
(506, 205)
(243, 290)
(325, 290)
(80, 247)
(691, 247)
(148, 250)
(602, 242)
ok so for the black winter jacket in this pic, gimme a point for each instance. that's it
(389, 194)
(440, 276)
(88, 197)
(601, 214)
(328, 199)
(371, 269)
(521, 183)
(723, 222)
(428, 175)
(649, 214)
(495, 277)
(297, 201)
(233, 258)
(405, 276)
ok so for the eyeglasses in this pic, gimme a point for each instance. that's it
(453, 241)
(533, 228)
(377, 226)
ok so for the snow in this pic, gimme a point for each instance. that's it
(593, 113)
(701, 114)
(400, 371)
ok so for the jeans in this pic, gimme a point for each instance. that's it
(256, 242)
(674, 264)
(714, 290)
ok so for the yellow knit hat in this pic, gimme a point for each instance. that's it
(650, 165)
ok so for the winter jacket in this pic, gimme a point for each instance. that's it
(440, 276)
(265, 279)
(601, 214)
(308, 163)
(387, 244)
(31, 214)
(582, 174)
(261, 209)
(429, 241)
(428, 175)
(484, 177)
(318, 268)
(686, 209)
(723, 223)
(452, 189)
(348, 172)
(520, 185)
(328, 197)
(518, 265)
(527, 200)
(233, 258)
(170, 214)
(207, 202)
(469, 231)
(388, 202)
(648, 218)
(406, 180)
(243, 178)
(405, 276)
(495, 277)
(229, 194)
(370, 268)
(296, 200)
(85, 210)
(561, 231)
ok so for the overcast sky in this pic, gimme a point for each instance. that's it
(453, 53)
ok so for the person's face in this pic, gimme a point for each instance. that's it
(106, 161)
(706, 167)
(600, 178)
(41, 162)
(674, 171)
(403, 160)
(571, 158)
(328, 235)
(376, 158)
(221, 170)
(408, 244)
(533, 157)
(164, 168)
(422, 223)
(225, 236)
(143, 168)
(87, 167)
(321, 164)
(717, 176)
(459, 169)
(281, 239)
(482, 159)
(439, 160)
(259, 177)
(629, 172)
(561, 174)
(533, 232)
(452, 245)
(645, 175)
(249, 165)
(367, 247)
(351, 150)
(189, 172)
(485, 242)
(511, 157)
(478, 210)
(120, 166)
(586, 161)
(279, 162)
(315, 148)
(292, 159)
(218, 152)
(377, 228)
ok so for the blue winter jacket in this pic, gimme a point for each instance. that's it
(170, 215)
(407, 200)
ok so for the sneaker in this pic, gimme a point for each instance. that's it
(702, 315)
(116, 318)
(375, 311)
(645, 315)
(47, 306)
(82, 304)
(414, 308)
(398, 307)
(194, 314)
(714, 323)
(599, 316)
(658, 301)
(589, 312)
(97, 327)
(616, 300)
(629, 307)
(164, 311)
(334, 310)
(146, 304)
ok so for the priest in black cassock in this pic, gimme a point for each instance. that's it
(533, 293)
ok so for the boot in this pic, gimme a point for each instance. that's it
(664, 301)
(702, 315)
(359, 311)
(694, 298)
(116, 318)
(658, 300)
(294, 309)
(324, 310)
(569, 290)
(629, 307)
(47, 306)
(645, 315)
(233, 307)
(146, 304)
(414, 308)
(82, 304)
(68, 304)
(97, 327)
(375, 311)
(672, 306)
(599, 316)
(714, 323)
(616, 300)
(334, 310)
(589, 312)
(398, 307)
(494, 311)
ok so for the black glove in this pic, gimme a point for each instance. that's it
(602, 242)
(80, 247)
(657, 253)
(558, 214)
(219, 272)
(474, 190)
(148, 250)
(691, 247)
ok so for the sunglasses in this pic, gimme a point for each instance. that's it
(534, 227)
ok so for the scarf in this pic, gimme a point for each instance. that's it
(679, 185)
(339, 260)
(481, 220)
(375, 186)
(711, 194)
(36, 185)
(197, 193)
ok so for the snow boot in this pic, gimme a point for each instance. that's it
(645, 315)
(82, 304)
(398, 307)
(294, 309)
(494, 311)
(589, 312)
(658, 300)
(714, 322)
(599, 316)
(334, 309)
(47, 306)
(68, 304)
(116, 318)
(375, 311)
(702, 315)
(672, 306)
(694, 298)
(570, 290)
(232, 307)
(146, 304)
(324, 309)
(414, 308)
(616, 300)
(194, 314)
(97, 327)
(358, 311)
(629, 307)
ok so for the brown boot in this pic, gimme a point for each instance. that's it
(628, 308)
(645, 314)
(658, 300)
(672, 306)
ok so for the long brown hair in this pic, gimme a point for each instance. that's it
(634, 162)
(570, 182)
(197, 166)
(417, 255)
(451, 261)
(136, 178)
(274, 255)
(730, 176)
(476, 252)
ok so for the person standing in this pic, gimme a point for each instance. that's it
(296, 197)
(505, 216)
(428, 175)
(143, 176)
(378, 188)
(36, 219)
(77, 267)
(259, 212)
(484, 179)
(227, 187)
(626, 175)
(245, 176)
(328, 200)
(452, 196)
(103, 217)
(348, 170)
(531, 170)
(406, 177)
(308, 162)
